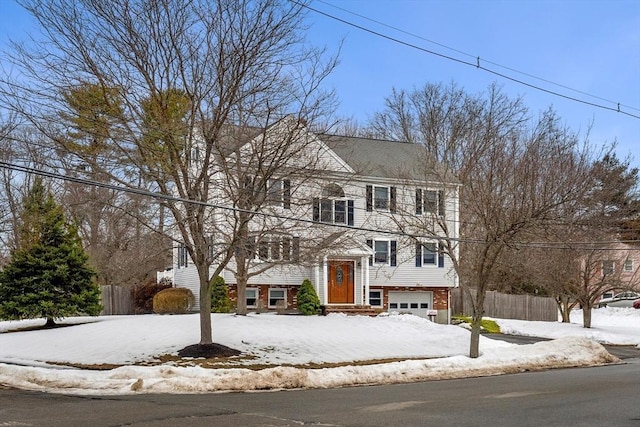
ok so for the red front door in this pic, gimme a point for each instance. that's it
(340, 282)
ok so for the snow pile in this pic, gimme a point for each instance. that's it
(609, 325)
(41, 359)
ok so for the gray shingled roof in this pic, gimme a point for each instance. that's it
(385, 159)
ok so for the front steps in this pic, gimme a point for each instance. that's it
(351, 310)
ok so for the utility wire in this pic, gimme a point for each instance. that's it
(166, 197)
(477, 64)
(474, 56)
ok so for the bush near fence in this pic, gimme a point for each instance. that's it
(507, 306)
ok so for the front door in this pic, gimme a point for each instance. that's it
(340, 282)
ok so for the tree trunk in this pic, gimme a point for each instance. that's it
(241, 305)
(476, 321)
(474, 347)
(565, 308)
(205, 307)
(50, 323)
(586, 315)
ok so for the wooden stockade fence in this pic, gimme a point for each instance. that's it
(507, 306)
(116, 300)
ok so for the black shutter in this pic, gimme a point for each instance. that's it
(295, 249)
(349, 212)
(369, 198)
(440, 255)
(418, 255)
(441, 203)
(370, 244)
(418, 201)
(316, 209)
(286, 248)
(392, 200)
(286, 194)
(393, 253)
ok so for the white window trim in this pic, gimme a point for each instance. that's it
(381, 297)
(627, 266)
(387, 208)
(388, 262)
(435, 252)
(257, 298)
(284, 299)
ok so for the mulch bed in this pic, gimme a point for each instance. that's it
(208, 351)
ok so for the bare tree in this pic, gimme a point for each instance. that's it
(513, 177)
(183, 71)
(601, 270)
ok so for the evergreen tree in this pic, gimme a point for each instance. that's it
(220, 302)
(48, 275)
(308, 301)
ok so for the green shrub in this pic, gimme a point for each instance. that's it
(220, 302)
(487, 325)
(143, 295)
(173, 301)
(308, 301)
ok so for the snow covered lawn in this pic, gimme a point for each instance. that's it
(285, 352)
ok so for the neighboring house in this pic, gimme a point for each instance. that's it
(619, 267)
(371, 189)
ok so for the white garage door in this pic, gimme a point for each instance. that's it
(418, 303)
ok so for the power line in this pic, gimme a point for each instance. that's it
(474, 56)
(475, 64)
(159, 196)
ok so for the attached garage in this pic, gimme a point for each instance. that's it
(419, 303)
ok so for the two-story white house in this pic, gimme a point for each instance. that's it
(375, 207)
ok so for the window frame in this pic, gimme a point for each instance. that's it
(182, 256)
(380, 298)
(372, 202)
(438, 255)
(627, 266)
(426, 205)
(278, 193)
(325, 211)
(256, 297)
(391, 255)
(608, 270)
(281, 248)
(270, 297)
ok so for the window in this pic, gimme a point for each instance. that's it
(628, 265)
(430, 202)
(276, 248)
(279, 193)
(277, 295)
(608, 268)
(252, 297)
(429, 254)
(381, 198)
(384, 252)
(375, 298)
(332, 208)
(183, 256)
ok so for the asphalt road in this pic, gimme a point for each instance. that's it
(601, 396)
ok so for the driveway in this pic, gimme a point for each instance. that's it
(620, 351)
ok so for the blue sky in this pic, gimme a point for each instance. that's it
(592, 46)
(589, 45)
